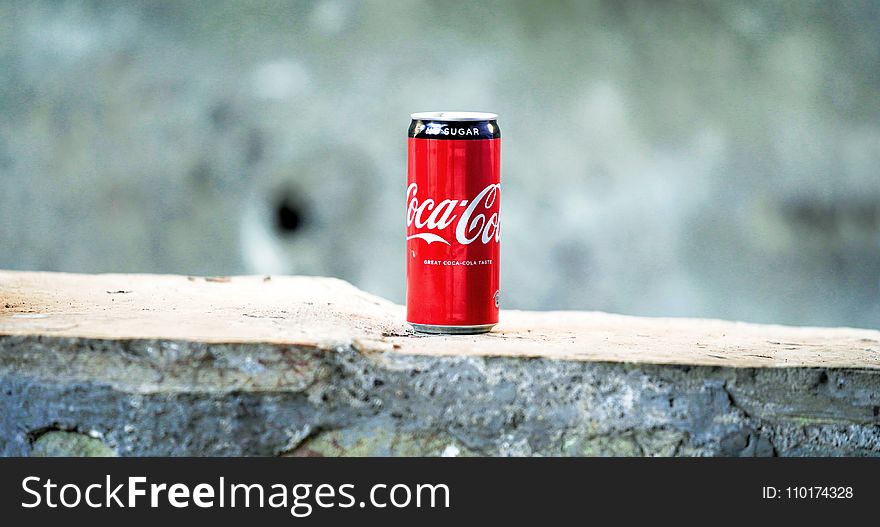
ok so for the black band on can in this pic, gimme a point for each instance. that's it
(426, 129)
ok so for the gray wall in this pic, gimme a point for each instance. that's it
(684, 159)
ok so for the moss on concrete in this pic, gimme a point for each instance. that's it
(70, 444)
(375, 441)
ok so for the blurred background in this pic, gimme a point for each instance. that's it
(714, 159)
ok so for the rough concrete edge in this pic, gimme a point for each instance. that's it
(350, 379)
(232, 367)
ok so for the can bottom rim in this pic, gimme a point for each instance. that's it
(451, 330)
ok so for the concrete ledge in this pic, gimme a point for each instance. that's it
(173, 365)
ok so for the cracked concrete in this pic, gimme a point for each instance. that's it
(415, 405)
(333, 384)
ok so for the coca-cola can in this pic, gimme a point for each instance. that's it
(453, 197)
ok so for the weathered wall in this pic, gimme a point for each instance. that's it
(349, 403)
(660, 158)
(173, 365)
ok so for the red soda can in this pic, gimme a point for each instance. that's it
(453, 197)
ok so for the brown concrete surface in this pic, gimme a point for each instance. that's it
(326, 312)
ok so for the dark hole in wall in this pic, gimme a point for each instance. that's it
(289, 214)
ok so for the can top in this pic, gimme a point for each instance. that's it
(454, 116)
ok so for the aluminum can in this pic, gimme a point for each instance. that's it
(453, 198)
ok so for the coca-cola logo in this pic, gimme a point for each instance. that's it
(475, 219)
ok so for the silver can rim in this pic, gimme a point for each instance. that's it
(454, 116)
(452, 330)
